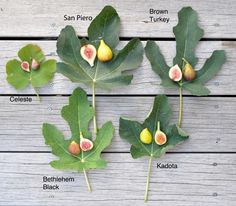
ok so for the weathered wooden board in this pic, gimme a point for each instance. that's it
(209, 121)
(34, 18)
(206, 162)
(145, 80)
(200, 179)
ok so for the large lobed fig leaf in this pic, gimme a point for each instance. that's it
(107, 75)
(78, 114)
(187, 34)
(130, 130)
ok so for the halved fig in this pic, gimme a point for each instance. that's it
(34, 64)
(25, 66)
(88, 53)
(74, 148)
(86, 144)
(175, 73)
(160, 138)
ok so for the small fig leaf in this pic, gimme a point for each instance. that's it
(187, 34)
(105, 26)
(16, 76)
(78, 114)
(20, 79)
(160, 112)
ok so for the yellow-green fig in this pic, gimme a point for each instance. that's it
(104, 52)
(145, 136)
(188, 72)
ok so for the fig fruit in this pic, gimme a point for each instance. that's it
(74, 148)
(34, 64)
(145, 136)
(188, 72)
(175, 73)
(85, 144)
(25, 66)
(88, 53)
(104, 52)
(160, 137)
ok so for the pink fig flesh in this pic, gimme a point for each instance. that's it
(25, 66)
(175, 73)
(88, 53)
(34, 64)
(86, 144)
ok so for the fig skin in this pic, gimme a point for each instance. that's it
(88, 53)
(145, 136)
(25, 66)
(74, 148)
(160, 138)
(34, 65)
(86, 144)
(188, 72)
(104, 52)
(175, 73)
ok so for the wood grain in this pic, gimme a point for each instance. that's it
(209, 121)
(34, 18)
(200, 179)
(145, 81)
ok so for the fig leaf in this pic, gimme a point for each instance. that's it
(78, 114)
(160, 112)
(105, 26)
(187, 34)
(20, 79)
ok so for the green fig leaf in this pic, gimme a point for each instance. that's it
(78, 114)
(196, 89)
(105, 75)
(211, 67)
(20, 79)
(105, 26)
(158, 64)
(187, 34)
(161, 112)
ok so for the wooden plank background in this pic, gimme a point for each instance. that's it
(206, 173)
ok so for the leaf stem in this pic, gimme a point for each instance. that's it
(148, 179)
(94, 108)
(87, 181)
(180, 105)
(36, 92)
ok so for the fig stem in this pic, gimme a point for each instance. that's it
(87, 181)
(180, 106)
(148, 179)
(37, 94)
(158, 126)
(94, 108)
(185, 61)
